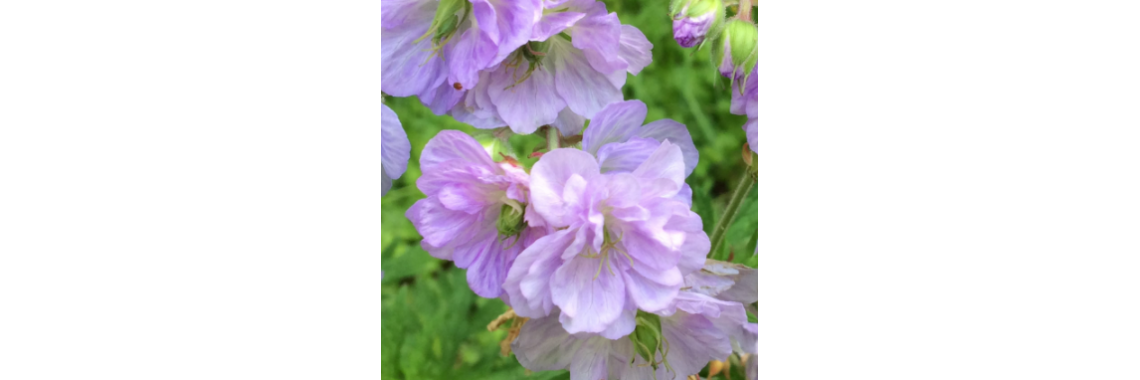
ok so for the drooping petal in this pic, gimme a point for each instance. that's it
(598, 31)
(696, 340)
(466, 55)
(441, 98)
(584, 89)
(569, 123)
(590, 360)
(617, 122)
(636, 50)
(407, 70)
(527, 105)
(548, 181)
(543, 345)
(476, 108)
(654, 291)
(395, 149)
(591, 298)
(677, 134)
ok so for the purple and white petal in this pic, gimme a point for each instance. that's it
(527, 105)
(395, 149)
(617, 122)
(676, 133)
(584, 89)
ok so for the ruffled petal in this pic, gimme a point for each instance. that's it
(548, 180)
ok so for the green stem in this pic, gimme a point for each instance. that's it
(552, 137)
(742, 189)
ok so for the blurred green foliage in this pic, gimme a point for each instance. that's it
(433, 326)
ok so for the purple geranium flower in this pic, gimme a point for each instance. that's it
(473, 213)
(435, 49)
(694, 330)
(395, 150)
(622, 242)
(745, 103)
(575, 65)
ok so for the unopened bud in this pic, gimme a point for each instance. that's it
(646, 337)
(510, 221)
(446, 20)
(694, 19)
(735, 52)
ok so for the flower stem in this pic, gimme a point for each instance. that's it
(552, 137)
(742, 189)
(744, 10)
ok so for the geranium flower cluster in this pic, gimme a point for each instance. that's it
(516, 63)
(595, 244)
(595, 247)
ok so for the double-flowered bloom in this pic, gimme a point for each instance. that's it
(696, 327)
(596, 244)
(474, 210)
(574, 65)
(435, 49)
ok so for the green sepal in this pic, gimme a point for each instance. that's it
(646, 337)
(511, 220)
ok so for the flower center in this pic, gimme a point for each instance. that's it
(608, 246)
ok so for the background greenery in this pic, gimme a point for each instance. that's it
(434, 327)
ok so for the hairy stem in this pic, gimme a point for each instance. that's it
(742, 189)
(744, 10)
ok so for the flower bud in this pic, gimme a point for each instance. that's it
(510, 221)
(646, 337)
(694, 19)
(735, 52)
